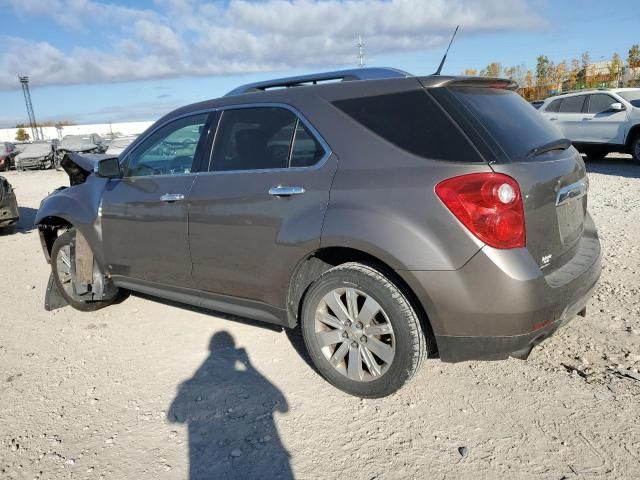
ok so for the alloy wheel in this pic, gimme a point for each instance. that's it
(354, 334)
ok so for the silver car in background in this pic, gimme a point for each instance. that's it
(598, 121)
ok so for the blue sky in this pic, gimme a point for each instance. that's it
(92, 61)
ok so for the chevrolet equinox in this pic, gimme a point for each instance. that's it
(389, 217)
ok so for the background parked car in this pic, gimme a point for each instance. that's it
(91, 143)
(598, 121)
(37, 155)
(7, 154)
(9, 213)
(118, 144)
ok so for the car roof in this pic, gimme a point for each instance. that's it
(331, 84)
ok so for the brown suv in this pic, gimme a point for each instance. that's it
(390, 217)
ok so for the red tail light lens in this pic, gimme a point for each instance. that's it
(489, 205)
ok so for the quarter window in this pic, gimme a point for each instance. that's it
(263, 138)
(413, 122)
(600, 102)
(554, 106)
(170, 150)
(572, 104)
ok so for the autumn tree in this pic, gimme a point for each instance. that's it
(529, 79)
(471, 72)
(491, 70)
(22, 135)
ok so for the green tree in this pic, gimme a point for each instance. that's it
(22, 135)
(633, 59)
(542, 69)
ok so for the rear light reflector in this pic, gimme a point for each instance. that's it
(489, 205)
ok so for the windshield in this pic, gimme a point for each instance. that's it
(631, 96)
(514, 125)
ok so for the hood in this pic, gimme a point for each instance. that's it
(80, 166)
(78, 144)
(35, 150)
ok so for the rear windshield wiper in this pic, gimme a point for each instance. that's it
(560, 144)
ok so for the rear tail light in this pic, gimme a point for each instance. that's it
(489, 205)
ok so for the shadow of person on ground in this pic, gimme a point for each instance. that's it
(228, 407)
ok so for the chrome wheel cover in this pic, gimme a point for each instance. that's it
(354, 334)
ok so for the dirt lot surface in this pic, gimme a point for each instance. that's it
(149, 390)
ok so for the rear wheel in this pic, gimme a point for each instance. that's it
(361, 332)
(61, 267)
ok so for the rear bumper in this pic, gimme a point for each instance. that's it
(501, 303)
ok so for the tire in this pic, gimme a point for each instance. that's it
(393, 337)
(635, 148)
(79, 302)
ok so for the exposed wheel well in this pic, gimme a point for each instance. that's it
(49, 228)
(326, 258)
(635, 131)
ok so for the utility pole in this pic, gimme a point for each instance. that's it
(35, 134)
(360, 52)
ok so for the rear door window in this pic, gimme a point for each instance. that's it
(600, 102)
(263, 138)
(413, 122)
(509, 119)
(572, 104)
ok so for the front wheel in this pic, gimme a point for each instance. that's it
(635, 148)
(61, 266)
(361, 332)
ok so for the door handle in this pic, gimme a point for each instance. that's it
(553, 118)
(588, 119)
(171, 197)
(280, 191)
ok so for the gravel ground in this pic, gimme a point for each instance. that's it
(149, 390)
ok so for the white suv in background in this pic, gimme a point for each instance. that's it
(598, 121)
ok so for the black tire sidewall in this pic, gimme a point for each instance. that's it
(401, 368)
(634, 148)
(79, 304)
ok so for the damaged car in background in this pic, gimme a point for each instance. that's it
(91, 143)
(118, 144)
(8, 152)
(9, 213)
(37, 155)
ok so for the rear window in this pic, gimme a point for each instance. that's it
(572, 104)
(513, 124)
(413, 122)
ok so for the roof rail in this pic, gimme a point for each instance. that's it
(582, 90)
(315, 78)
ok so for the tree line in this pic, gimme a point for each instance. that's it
(549, 77)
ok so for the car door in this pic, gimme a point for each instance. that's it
(144, 214)
(601, 124)
(568, 117)
(259, 209)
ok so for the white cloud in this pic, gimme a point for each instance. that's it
(190, 37)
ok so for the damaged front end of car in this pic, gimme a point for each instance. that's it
(9, 213)
(76, 208)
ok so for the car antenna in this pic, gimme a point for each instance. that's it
(447, 51)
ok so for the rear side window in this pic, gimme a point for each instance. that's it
(600, 102)
(263, 138)
(413, 122)
(554, 106)
(572, 104)
(512, 123)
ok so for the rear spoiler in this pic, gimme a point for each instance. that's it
(480, 82)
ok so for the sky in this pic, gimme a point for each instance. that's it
(98, 61)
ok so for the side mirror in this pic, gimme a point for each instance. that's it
(616, 107)
(108, 168)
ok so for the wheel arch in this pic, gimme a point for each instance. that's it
(323, 259)
(633, 133)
